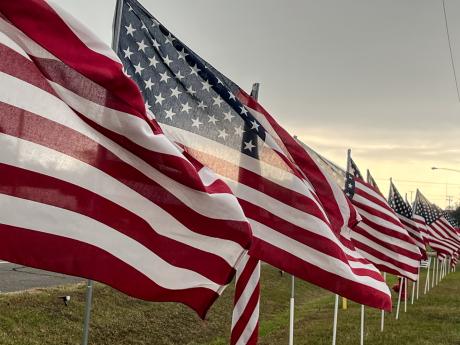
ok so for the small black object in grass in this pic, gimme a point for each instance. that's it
(65, 299)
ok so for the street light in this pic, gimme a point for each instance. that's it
(436, 168)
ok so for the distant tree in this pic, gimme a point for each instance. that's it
(456, 213)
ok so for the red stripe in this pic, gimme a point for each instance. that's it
(47, 190)
(68, 48)
(244, 277)
(60, 254)
(360, 293)
(245, 316)
(30, 127)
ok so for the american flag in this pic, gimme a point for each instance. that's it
(207, 115)
(380, 236)
(436, 226)
(404, 213)
(90, 186)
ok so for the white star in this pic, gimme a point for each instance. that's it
(165, 77)
(147, 106)
(243, 110)
(196, 123)
(155, 44)
(239, 131)
(167, 60)
(175, 92)
(219, 81)
(181, 54)
(206, 85)
(255, 125)
(144, 27)
(138, 68)
(231, 96)
(186, 107)
(248, 145)
(159, 99)
(191, 91)
(201, 105)
(222, 134)
(169, 38)
(217, 101)
(130, 8)
(169, 114)
(212, 119)
(179, 76)
(130, 30)
(153, 61)
(155, 22)
(228, 116)
(195, 70)
(149, 84)
(148, 111)
(142, 46)
(128, 53)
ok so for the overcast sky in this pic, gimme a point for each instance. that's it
(373, 76)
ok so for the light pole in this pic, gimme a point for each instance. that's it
(448, 197)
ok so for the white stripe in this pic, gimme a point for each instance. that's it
(390, 240)
(313, 256)
(395, 256)
(250, 326)
(61, 222)
(37, 158)
(248, 290)
(7, 41)
(132, 127)
(86, 36)
(20, 94)
(364, 201)
(371, 192)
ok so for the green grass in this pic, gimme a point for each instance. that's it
(40, 317)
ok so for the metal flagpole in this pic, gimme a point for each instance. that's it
(399, 299)
(362, 325)
(291, 314)
(382, 321)
(89, 297)
(334, 326)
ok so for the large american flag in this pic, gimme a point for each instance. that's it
(404, 212)
(208, 116)
(380, 236)
(441, 236)
(89, 185)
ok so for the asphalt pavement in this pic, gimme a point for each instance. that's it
(15, 277)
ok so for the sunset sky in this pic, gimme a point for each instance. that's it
(373, 76)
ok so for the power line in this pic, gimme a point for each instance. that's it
(450, 48)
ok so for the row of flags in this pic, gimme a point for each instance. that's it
(154, 173)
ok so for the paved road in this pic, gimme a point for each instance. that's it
(15, 277)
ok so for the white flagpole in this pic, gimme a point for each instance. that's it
(418, 281)
(291, 314)
(382, 321)
(334, 325)
(413, 292)
(362, 325)
(399, 299)
(437, 271)
(89, 297)
(405, 295)
(433, 272)
(427, 279)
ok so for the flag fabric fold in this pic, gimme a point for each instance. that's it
(380, 236)
(209, 117)
(404, 212)
(91, 186)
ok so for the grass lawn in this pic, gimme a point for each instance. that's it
(40, 317)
